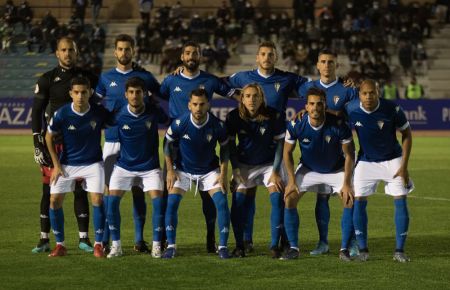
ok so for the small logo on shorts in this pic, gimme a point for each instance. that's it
(380, 124)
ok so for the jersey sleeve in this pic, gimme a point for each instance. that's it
(234, 81)
(42, 88)
(173, 132)
(291, 136)
(162, 116)
(279, 127)
(401, 123)
(230, 124)
(153, 86)
(345, 133)
(222, 135)
(100, 90)
(54, 126)
(164, 90)
(302, 90)
(222, 88)
(299, 83)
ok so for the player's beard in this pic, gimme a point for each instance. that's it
(191, 65)
(68, 63)
(124, 60)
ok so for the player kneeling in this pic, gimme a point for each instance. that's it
(198, 133)
(138, 159)
(323, 139)
(256, 161)
(79, 124)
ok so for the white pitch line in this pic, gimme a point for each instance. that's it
(430, 198)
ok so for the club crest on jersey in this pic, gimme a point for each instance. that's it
(277, 87)
(178, 122)
(336, 99)
(202, 87)
(328, 138)
(293, 123)
(93, 124)
(169, 131)
(262, 130)
(148, 124)
(380, 124)
(209, 137)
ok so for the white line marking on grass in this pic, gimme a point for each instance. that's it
(430, 198)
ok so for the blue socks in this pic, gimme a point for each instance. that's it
(57, 223)
(250, 209)
(223, 214)
(139, 213)
(322, 217)
(157, 218)
(291, 225)
(238, 215)
(276, 217)
(106, 234)
(171, 218)
(113, 216)
(401, 217)
(99, 222)
(360, 222)
(347, 229)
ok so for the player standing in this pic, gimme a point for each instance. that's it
(176, 88)
(256, 160)
(380, 158)
(52, 92)
(79, 124)
(198, 133)
(111, 88)
(323, 140)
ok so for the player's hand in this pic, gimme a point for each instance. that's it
(347, 195)
(171, 178)
(403, 173)
(236, 179)
(299, 115)
(291, 188)
(56, 173)
(223, 182)
(275, 178)
(349, 82)
(178, 70)
(41, 155)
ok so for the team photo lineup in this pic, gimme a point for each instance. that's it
(72, 107)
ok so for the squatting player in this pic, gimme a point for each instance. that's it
(79, 124)
(380, 158)
(256, 160)
(52, 92)
(176, 88)
(198, 133)
(323, 140)
(138, 159)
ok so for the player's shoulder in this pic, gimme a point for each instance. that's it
(170, 78)
(216, 122)
(244, 74)
(233, 115)
(352, 106)
(182, 120)
(64, 110)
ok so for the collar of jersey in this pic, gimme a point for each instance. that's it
(199, 126)
(328, 85)
(133, 114)
(369, 112)
(316, 128)
(124, 72)
(190, 77)
(264, 76)
(80, 114)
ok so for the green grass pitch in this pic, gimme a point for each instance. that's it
(428, 242)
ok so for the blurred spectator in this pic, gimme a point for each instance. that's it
(10, 12)
(390, 90)
(49, 22)
(6, 33)
(302, 60)
(208, 57)
(96, 6)
(145, 6)
(222, 56)
(98, 38)
(414, 90)
(224, 12)
(80, 9)
(95, 63)
(36, 37)
(405, 56)
(25, 15)
(177, 11)
(420, 58)
(304, 10)
(442, 10)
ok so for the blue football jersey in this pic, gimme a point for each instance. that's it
(377, 130)
(277, 87)
(138, 137)
(177, 88)
(257, 140)
(111, 89)
(197, 144)
(81, 133)
(337, 94)
(321, 148)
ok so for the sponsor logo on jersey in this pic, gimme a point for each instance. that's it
(177, 89)
(113, 84)
(262, 130)
(336, 99)
(358, 124)
(306, 140)
(328, 138)
(380, 124)
(209, 137)
(148, 124)
(72, 128)
(126, 127)
(277, 86)
(186, 136)
(57, 79)
(93, 124)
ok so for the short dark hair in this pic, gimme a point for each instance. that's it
(135, 82)
(313, 91)
(68, 39)
(80, 80)
(124, 38)
(198, 93)
(327, 51)
(269, 44)
(190, 43)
